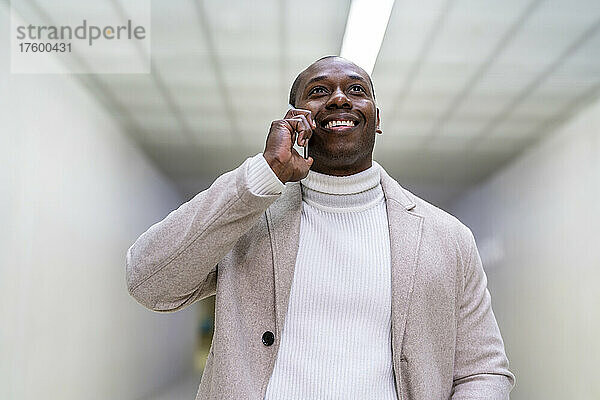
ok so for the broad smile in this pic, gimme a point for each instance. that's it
(339, 123)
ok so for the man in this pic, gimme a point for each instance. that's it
(331, 280)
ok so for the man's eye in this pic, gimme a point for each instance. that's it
(317, 90)
(357, 88)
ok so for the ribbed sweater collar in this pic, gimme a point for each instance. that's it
(343, 193)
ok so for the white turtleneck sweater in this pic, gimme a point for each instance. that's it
(336, 339)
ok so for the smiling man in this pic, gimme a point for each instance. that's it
(331, 280)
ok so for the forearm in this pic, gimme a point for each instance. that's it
(174, 262)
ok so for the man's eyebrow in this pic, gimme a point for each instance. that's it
(316, 79)
(358, 77)
(324, 77)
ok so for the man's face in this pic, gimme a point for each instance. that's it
(340, 98)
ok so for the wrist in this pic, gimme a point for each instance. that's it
(277, 167)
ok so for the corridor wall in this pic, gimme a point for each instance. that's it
(76, 193)
(537, 224)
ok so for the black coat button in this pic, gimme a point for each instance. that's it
(268, 338)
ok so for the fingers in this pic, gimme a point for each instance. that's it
(279, 151)
(305, 115)
(299, 125)
(293, 112)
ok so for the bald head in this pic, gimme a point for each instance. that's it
(327, 59)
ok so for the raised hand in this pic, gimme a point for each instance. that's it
(288, 165)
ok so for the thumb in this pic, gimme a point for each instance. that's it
(303, 166)
(308, 164)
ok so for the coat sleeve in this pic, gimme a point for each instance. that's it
(174, 263)
(481, 366)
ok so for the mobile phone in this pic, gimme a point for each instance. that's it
(305, 155)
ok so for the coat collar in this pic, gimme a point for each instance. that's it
(405, 227)
(393, 191)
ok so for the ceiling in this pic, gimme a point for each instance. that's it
(464, 86)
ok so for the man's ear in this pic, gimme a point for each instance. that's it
(378, 126)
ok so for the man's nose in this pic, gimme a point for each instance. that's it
(338, 99)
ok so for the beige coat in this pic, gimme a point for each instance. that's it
(242, 247)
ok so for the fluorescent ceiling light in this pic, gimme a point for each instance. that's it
(365, 28)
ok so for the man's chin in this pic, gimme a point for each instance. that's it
(337, 157)
(339, 162)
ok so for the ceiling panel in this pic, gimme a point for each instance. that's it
(408, 27)
(159, 128)
(450, 144)
(313, 29)
(196, 98)
(251, 73)
(239, 31)
(466, 127)
(414, 127)
(187, 69)
(412, 30)
(158, 136)
(249, 99)
(133, 90)
(176, 29)
(138, 97)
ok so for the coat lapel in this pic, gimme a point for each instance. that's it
(283, 219)
(405, 238)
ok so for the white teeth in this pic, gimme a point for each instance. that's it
(331, 124)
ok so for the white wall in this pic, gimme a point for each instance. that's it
(537, 223)
(75, 195)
